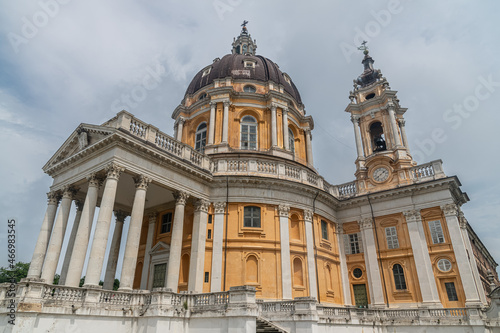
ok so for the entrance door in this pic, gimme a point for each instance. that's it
(360, 296)
(159, 275)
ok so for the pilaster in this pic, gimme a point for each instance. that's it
(286, 273)
(197, 262)
(216, 278)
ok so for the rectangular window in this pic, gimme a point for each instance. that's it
(324, 230)
(436, 232)
(207, 277)
(210, 219)
(159, 275)
(251, 217)
(353, 244)
(451, 291)
(209, 234)
(391, 235)
(166, 223)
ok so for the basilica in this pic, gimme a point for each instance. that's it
(232, 229)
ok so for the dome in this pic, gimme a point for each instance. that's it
(234, 65)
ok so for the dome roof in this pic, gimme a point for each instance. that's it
(233, 65)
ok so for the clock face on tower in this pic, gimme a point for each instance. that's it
(380, 174)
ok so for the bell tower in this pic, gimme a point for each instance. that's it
(383, 157)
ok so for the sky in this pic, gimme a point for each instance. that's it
(66, 62)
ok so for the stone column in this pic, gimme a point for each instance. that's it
(83, 234)
(43, 237)
(98, 250)
(149, 244)
(174, 259)
(197, 262)
(274, 128)
(285, 129)
(344, 272)
(216, 279)
(357, 137)
(309, 147)
(211, 125)
(56, 240)
(134, 233)
(225, 122)
(286, 271)
(425, 274)
(402, 123)
(471, 295)
(109, 277)
(371, 261)
(180, 126)
(311, 267)
(472, 259)
(71, 243)
(394, 126)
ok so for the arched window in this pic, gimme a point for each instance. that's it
(377, 136)
(201, 137)
(291, 141)
(298, 276)
(248, 133)
(249, 89)
(252, 269)
(399, 277)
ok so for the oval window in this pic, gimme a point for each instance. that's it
(444, 265)
(370, 96)
(357, 272)
(249, 89)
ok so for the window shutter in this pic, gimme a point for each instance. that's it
(360, 243)
(347, 247)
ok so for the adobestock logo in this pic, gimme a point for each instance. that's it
(30, 27)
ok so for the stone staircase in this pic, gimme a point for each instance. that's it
(268, 327)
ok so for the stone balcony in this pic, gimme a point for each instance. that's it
(54, 303)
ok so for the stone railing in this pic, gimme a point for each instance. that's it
(428, 171)
(347, 190)
(163, 141)
(60, 293)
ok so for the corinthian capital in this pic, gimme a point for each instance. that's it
(201, 205)
(366, 223)
(226, 104)
(462, 220)
(142, 182)
(181, 197)
(284, 210)
(113, 171)
(53, 198)
(219, 207)
(308, 215)
(93, 180)
(69, 192)
(213, 104)
(355, 119)
(450, 209)
(121, 215)
(412, 215)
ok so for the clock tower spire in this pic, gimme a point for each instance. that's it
(383, 156)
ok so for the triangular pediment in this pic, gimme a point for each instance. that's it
(160, 247)
(83, 137)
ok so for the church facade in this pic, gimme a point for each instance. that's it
(232, 228)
